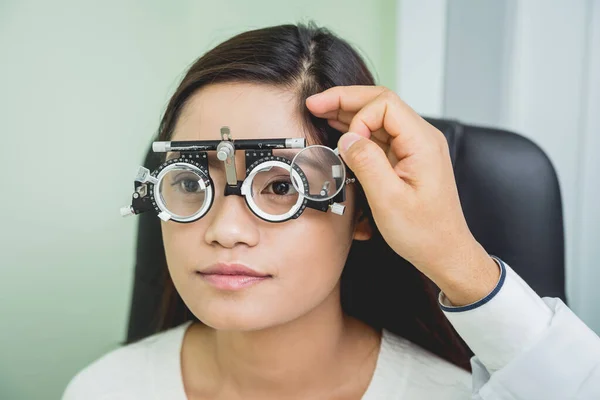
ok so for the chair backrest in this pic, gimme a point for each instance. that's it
(509, 194)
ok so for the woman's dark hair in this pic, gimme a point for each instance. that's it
(393, 295)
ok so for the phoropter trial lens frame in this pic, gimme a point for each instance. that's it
(194, 158)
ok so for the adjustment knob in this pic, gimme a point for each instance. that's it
(222, 155)
(224, 150)
(126, 211)
(337, 208)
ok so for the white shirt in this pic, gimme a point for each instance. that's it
(526, 348)
(150, 369)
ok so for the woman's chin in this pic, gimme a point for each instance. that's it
(238, 320)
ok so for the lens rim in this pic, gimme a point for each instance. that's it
(192, 167)
(295, 165)
(280, 162)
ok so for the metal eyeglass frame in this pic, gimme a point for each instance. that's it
(258, 155)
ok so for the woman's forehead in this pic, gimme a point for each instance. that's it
(250, 111)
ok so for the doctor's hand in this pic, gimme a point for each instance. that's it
(403, 164)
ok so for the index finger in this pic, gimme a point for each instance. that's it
(348, 98)
(375, 106)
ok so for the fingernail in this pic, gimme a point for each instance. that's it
(348, 139)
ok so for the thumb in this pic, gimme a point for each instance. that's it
(370, 165)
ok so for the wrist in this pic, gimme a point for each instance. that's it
(468, 277)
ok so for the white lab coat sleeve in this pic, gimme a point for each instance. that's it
(526, 347)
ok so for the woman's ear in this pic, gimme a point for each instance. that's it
(362, 227)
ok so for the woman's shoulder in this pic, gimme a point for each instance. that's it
(407, 368)
(128, 371)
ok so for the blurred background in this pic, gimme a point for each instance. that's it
(83, 85)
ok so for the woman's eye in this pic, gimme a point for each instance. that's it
(281, 188)
(188, 185)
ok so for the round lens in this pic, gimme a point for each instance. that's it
(324, 172)
(272, 190)
(183, 192)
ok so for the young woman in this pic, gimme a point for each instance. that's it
(323, 305)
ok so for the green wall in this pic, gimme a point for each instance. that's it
(82, 87)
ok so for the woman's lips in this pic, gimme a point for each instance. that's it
(231, 276)
(232, 282)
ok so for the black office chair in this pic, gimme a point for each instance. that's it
(510, 197)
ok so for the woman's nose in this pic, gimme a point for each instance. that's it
(231, 223)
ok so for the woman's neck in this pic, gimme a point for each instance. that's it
(321, 351)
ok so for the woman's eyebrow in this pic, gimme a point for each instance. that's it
(288, 154)
(317, 163)
(213, 162)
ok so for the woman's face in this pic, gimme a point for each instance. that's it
(304, 257)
